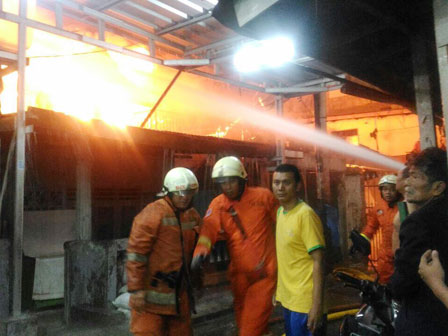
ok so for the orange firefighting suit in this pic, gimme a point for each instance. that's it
(155, 263)
(256, 210)
(382, 216)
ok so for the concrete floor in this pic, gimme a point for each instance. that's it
(214, 318)
(222, 326)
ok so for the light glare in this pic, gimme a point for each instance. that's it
(267, 53)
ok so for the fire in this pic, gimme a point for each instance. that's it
(91, 83)
(81, 80)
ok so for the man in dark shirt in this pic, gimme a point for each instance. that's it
(427, 228)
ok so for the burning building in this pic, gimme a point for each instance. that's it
(167, 63)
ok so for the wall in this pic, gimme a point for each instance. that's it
(44, 232)
(395, 135)
(351, 208)
(91, 276)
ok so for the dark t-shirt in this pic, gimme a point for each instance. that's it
(421, 313)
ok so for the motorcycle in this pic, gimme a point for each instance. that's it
(378, 311)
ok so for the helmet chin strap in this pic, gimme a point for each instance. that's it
(242, 186)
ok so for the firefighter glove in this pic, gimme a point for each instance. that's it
(197, 262)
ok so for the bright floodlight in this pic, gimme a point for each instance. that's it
(267, 53)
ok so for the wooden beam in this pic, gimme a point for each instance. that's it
(228, 81)
(49, 122)
(214, 45)
(120, 23)
(9, 69)
(59, 15)
(109, 4)
(440, 8)
(322, 170)
(8, 57)
(441, 24)
(279, 143)
(83, 199)
(423, 96)
(77, 37)
(156, 105)
(184, 24)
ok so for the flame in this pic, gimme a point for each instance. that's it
(91, 83)
(80, 80)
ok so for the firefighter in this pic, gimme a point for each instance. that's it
(382, 216)
(159, 253)
(245, 216)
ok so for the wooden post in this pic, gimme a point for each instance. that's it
(101, 30)
(17, 248)
(422, 87)
(152, 48)
(352, 209)
(83, 200)
(279, 144)
(441, 29)
(322, 170)
(58, 13)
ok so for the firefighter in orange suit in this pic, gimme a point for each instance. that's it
(245, 216)
(159, 253)
(382, 216)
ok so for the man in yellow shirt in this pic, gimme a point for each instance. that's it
(300, 255)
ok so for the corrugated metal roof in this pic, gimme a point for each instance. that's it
(177, 29)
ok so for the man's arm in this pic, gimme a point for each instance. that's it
(432, 273)
(140, 243)
(372, 224)
(315, 313)
(208, 234)
(272, 206)
(395, 233)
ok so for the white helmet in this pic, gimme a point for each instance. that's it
(180, 180)
(228, 166)
(391, 179)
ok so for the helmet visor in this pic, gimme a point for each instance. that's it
(189, 192)
(226, 179)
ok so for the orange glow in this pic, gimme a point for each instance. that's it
(12, 6)
(354, 140)
(9, 41)
(91, 83)
(80, 80)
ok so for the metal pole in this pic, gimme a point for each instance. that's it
(161, 98)
(279, 144)
(20, 168)
(440, 19)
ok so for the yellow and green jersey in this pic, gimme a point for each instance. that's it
(299, 232)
